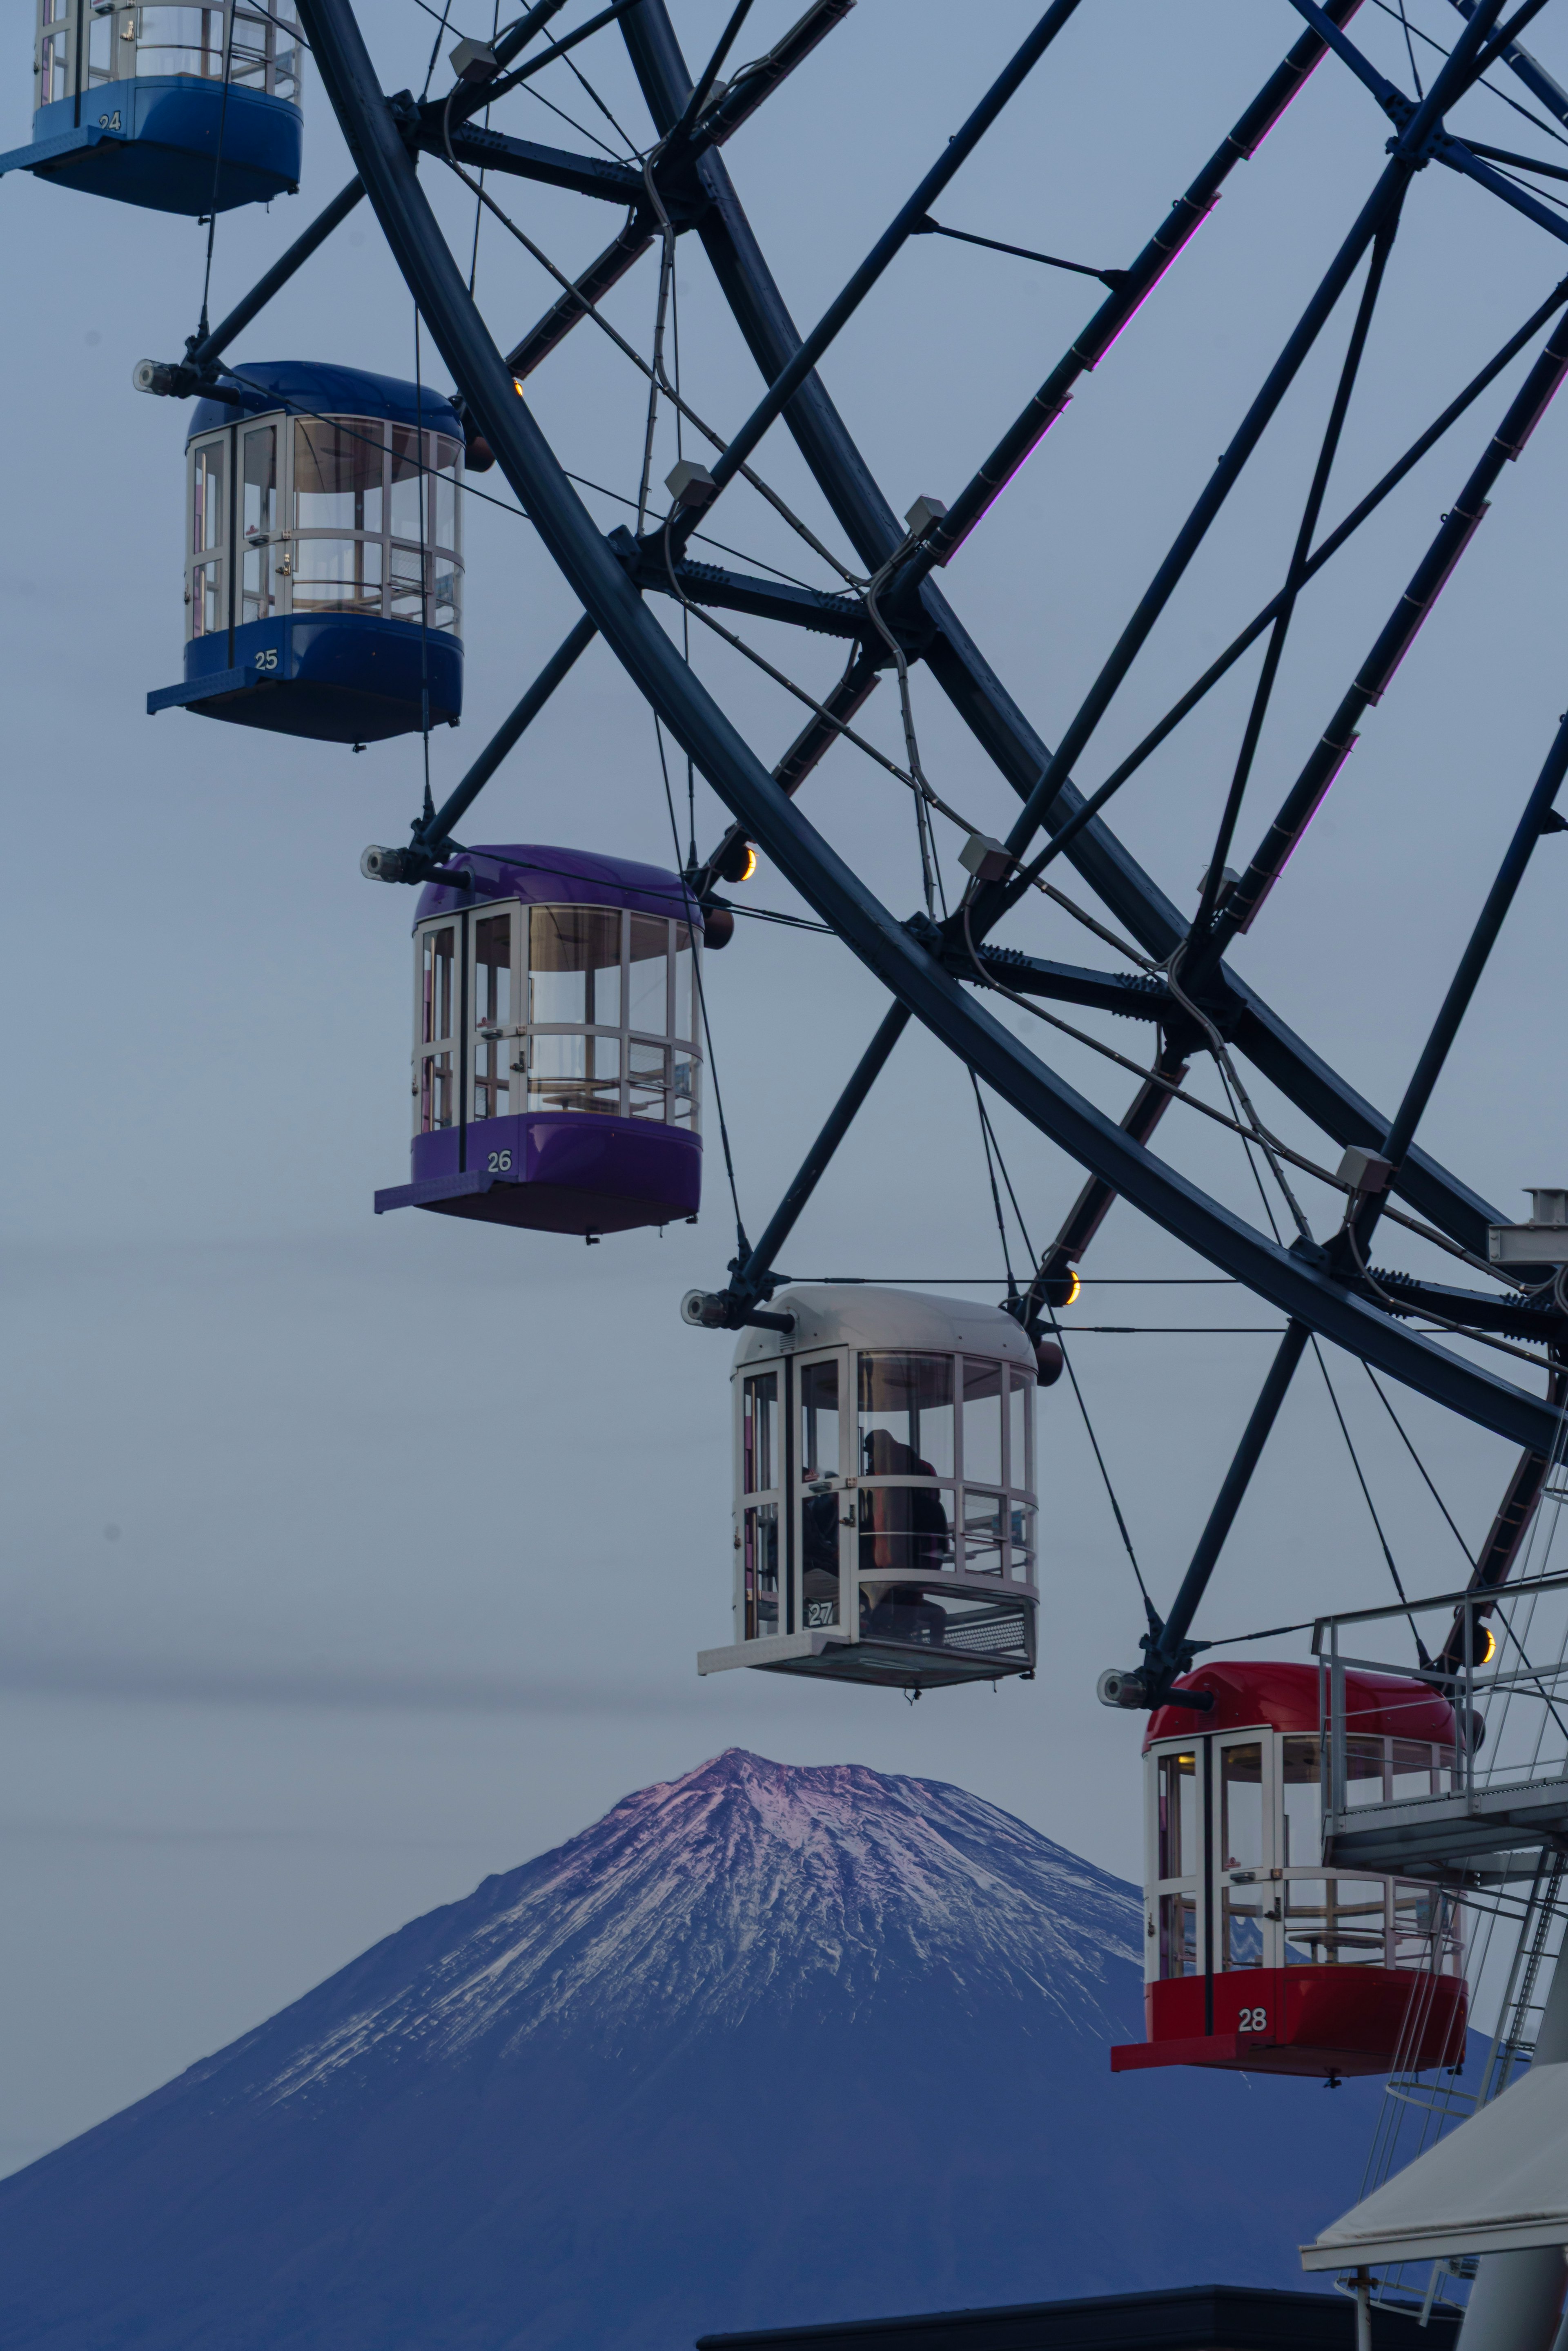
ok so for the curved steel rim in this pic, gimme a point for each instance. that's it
(749, 791)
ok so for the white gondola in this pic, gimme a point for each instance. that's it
(885, 1504)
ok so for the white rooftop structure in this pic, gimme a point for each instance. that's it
(1498, 2184)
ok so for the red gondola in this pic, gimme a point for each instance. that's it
(1257, 1956)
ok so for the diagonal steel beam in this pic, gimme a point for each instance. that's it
(887, 948)
(894, 236)
(1389, 97)
(1380, 209)
(1339, 737)
(1329, 546)
(1052, 1282)
(524, 159)
(1462, 159)
(1505, 1537)
(1167, 1650)
(1186, 216)
(1538, 819)
(1530, 70)
(737, 591)
(201, 353)
(955, 661)
(621, 254)
(758, 81)
(1319, 1092)
(1138, 997)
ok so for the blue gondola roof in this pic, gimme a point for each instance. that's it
(307, 388)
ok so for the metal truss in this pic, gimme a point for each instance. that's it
(937, 973)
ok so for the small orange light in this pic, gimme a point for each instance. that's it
(1490, 1652)
(751, 864)
(517, 385)
(1072, 1297)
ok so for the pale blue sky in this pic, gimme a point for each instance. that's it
(420, 1524)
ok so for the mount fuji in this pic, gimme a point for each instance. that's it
(765, 2044)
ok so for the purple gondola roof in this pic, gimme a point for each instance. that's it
(555, 877)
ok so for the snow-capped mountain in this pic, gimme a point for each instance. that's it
(762, 2044)
(746, 1884)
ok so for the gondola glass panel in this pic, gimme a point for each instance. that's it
(156, 107)
(1177, 1863)
(259, 520)
(1259, 1956)
(206, 592)
(568, 1120)
(436, 1082)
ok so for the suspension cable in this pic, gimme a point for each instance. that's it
(591, 309)
(435, 49)
(572, 67)
(987, 1140)
(1344, 1427)
(229, 8)
(693, 917)
(1232, 1077)
(1388, 1406)
(1067, 1365)
(1296, 575)
(478, 209)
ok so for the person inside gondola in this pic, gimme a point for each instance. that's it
(901, 1527)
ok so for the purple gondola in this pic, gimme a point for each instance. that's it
(556, 1058)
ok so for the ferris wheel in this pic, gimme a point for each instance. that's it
(886, 1491)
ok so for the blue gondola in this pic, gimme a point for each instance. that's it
(323, 526)
(136, 103)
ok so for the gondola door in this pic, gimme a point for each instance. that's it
(1178, 1933)
(823, 1505)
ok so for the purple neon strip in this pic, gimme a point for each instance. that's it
(1180, 246)
(1299, 835)
(1246, 153)
(1090, 364)
(1548, 396)
(1019, 463)
(1291, 95)
(1375, 691)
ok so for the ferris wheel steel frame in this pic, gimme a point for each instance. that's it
(918, 961)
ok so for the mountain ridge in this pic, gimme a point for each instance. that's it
(765, 2043)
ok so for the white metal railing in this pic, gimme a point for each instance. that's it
(1504, 1668)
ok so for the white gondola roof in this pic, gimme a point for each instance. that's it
(1498, 2184)
(855, 1315)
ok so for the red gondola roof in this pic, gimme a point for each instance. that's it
(1285, 1698)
